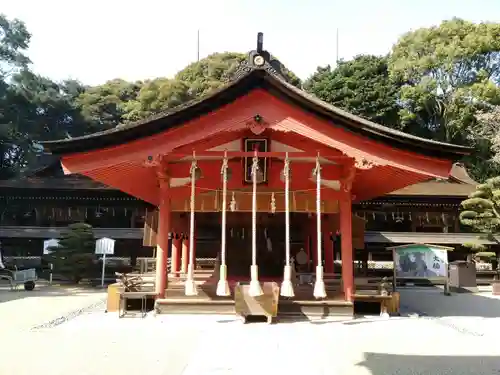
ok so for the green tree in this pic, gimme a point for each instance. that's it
(14, 41)
(361, 86)
(218, 69)
(106, 106)
(74, 258)
(451, 72)
(211, 72)
(45, 109)
(481, 212)
(156, 96)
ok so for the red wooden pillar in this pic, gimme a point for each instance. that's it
(346, 244)
(162, 243)
(176, 248)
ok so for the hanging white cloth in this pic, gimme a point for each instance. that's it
(2, 266)
(269, 245)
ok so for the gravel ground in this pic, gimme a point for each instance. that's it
(92, 342)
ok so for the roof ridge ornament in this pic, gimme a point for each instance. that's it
(260, 59)
(260, 42)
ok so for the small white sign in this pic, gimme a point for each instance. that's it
(105, 246)
(47, 244)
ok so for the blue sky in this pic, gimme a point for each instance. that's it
(97, 40)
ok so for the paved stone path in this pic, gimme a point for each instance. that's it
(99, 343)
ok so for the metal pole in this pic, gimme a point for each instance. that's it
(198, 46)
(337, 49)
(103, 268)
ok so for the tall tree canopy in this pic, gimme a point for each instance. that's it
(440, 82)
(106, 106)
(451, 72)
(361, 86)
(211, 72)
(14, 41)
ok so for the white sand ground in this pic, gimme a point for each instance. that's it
(461, 339)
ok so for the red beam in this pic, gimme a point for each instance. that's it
(184, 192)
(211, 170)
(233, 154)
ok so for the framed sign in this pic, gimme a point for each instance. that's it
(259, 145)
(47, 244)
(105, 246)
(420, 261)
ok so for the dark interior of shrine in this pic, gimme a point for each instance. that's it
(270, 241)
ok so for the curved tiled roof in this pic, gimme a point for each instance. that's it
(251, 77)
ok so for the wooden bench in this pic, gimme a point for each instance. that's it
(135, 287)
(141, 295)
(389, 304)
(378, 290)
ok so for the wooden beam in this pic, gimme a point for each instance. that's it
(232, 154)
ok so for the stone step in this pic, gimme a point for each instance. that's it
(287, 309)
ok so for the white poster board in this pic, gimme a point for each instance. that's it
(47, 244)
(104, 246)
(420, 261)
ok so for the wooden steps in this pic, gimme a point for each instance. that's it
(302, 306)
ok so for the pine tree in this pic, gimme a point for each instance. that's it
(481, 212)
(74, 258)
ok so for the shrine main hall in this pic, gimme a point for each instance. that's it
(272, 168)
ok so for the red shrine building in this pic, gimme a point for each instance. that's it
(261, 159)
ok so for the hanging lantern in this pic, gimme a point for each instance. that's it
(282, 175)
(273, 204)
(197, 173)
(232, 205)
(229, 173)
(260, 176)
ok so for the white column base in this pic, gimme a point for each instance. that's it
(223, 285)
(190, 288)
(319, 285)
(254, 289)
(286, 289)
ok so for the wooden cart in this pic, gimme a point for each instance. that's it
(27, 278)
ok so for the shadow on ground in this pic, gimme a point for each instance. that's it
(432, 302)
(389, 364)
